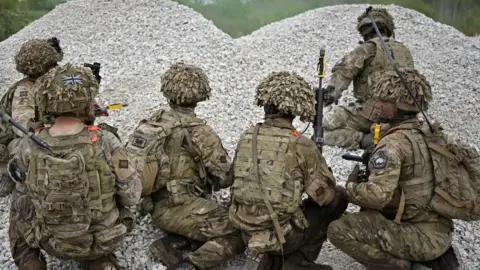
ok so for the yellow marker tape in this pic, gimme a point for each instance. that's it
(115, 106)
(376, 135)
(324, 71)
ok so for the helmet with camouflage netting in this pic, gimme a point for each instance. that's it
(65, 89)
(382, 18)
(289, 93)
(36, 56)
(389, 87)
(185, 85)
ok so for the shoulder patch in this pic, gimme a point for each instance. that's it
(379, 160)
(139, 142)
(23, 93)
(123, 164)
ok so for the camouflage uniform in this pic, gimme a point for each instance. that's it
(396, 228)
(346, 127)
(34, 59)
(267, 199)
(88, 237)
(192, 160)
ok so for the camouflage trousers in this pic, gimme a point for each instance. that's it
(345, 126)
(204, 221)
(22, 212)
(6, 183)
(379, 243)
(305, 244)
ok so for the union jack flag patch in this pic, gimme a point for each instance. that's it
(72, 80)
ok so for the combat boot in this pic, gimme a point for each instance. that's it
(103, 263)
(448, 260)
(183, 265)
(34, 265)
(169, 249)
(297, 261)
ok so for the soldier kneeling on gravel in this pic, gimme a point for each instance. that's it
(71, 201)
(273, 166)
(181, 159)
(398, 225)
(34, 58)
(349, 127)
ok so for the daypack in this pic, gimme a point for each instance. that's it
(70, 190)
(456, 193)
(146, 150)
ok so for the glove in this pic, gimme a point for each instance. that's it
(353, 177)
(328, 96)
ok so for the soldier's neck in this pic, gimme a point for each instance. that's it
(189, 110)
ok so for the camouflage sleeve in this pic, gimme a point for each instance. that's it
(319, 181)
(385, 166)
(129, 187)
(350, 66)
(23, 105)
(215, 158)
(20, 152)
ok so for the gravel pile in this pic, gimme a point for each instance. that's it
(136, 40)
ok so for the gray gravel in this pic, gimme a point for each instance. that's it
(136, 40)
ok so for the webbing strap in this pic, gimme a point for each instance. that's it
(273, 215)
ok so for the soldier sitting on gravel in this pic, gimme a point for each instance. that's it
(349, 127)
(35, 58)
(398, 225)
(71, 201)
(273, 166)
(181, 159)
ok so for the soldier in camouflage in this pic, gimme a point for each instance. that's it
(35, 58)
(349, 127)
(396, 227)
(74, 203)
(180, 158)
(273, 166)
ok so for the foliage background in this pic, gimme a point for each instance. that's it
(241, 17)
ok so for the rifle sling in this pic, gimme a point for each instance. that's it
(273, 215)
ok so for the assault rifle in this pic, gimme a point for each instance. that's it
(320, 96)
(29, 134)
(16, 172)
(95, 67)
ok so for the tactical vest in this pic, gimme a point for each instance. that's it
(167, 149)
(6, 131)
(282, 183)
(364, 81)
(70, 192)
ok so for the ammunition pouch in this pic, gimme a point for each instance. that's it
(181, 192)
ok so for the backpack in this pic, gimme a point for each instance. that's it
(70, 190)
(146, 150)
(456, 167)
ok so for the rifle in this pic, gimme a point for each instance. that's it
(320, 95)
(103, 111)
(95, 67)
(365, 157)
(29, 134)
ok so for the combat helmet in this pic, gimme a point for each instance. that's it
(382, 18)
(66, 89)
(389, 87)
(289, 92)
(185, 85)
(36, 56)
